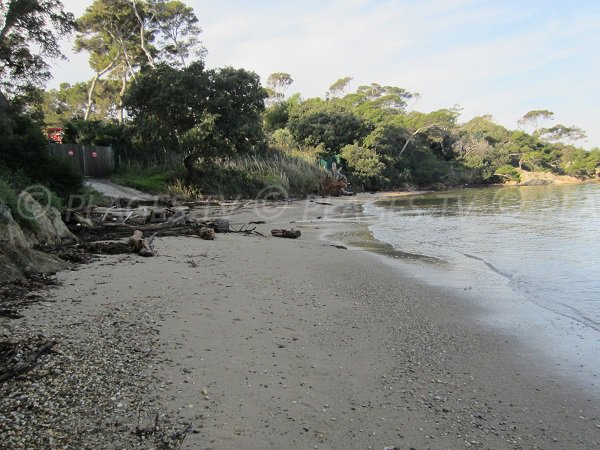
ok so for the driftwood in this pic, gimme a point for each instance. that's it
(290, 234)
(138, 244)
(29, 363)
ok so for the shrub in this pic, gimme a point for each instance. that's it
(508, 173)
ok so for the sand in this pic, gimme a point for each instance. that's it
(276, 343)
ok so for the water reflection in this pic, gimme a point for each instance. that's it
(544, 239)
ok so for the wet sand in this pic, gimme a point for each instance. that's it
(276, 343)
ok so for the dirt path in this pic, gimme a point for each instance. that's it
(110, 189)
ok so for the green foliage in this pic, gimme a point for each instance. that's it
(277, 84)
(184, 191)
(276, 116)
(507, 172)
(339, 87)
(70, 102)
(283, 138)
(95, 132)
(533, 118)
(154, 180)
(315, 123)
(24, 155)
(30, 34)
(579, 163)
(365, 163)
(197, 113)
(560, 132)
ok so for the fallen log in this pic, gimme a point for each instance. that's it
(289, 234)
(139, 245)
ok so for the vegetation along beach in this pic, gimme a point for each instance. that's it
(288, 227)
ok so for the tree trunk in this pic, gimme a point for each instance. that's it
(143, 35)
(121, 95)
(90, 98)
(188, 162)
(178, 47)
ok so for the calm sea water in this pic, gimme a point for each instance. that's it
(541, 242)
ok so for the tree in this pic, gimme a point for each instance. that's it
(560, 132)
(338, 88)
(277, 84)
(178, 31)
(332, 128)
(391, 97)
(64, 103)
(125, 37)
(365, 163)
(29, 35)
(109, 30)
(533, 118)
(484, 127)
(197, 113)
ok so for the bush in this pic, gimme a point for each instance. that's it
(24, 160)
(508, 172)
(272, 174)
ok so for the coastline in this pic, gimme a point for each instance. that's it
(269, 343)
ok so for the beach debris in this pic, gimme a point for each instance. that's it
(222, 226)
(334, 188)
(289, 234)
(139, 245)
(25, 364)
(207, 234)
(341, 247)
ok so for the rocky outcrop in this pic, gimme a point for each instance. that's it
(18, 258)
(49, 228)
(544, 178)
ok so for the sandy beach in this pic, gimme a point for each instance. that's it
(251, 342)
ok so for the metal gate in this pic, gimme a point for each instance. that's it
(90, 160)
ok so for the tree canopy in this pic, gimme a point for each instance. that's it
(199, 113)
(29, 37)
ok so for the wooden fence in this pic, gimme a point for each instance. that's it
(90, 160)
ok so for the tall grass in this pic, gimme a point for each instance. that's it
(294, 173)
(283, 173)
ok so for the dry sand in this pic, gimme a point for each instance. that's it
(277, 343)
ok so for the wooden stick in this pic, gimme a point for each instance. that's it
(29, 364)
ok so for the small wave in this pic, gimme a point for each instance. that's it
(490, 265)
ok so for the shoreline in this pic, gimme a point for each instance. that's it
(267, 343)
(509, 310)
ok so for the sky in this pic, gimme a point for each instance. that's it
(502, 58)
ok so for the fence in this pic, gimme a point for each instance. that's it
(90, 160)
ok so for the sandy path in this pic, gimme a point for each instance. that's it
(110, 189)
(274, 343)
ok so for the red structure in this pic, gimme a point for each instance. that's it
(55, 134)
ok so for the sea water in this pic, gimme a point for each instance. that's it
(532, 254)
